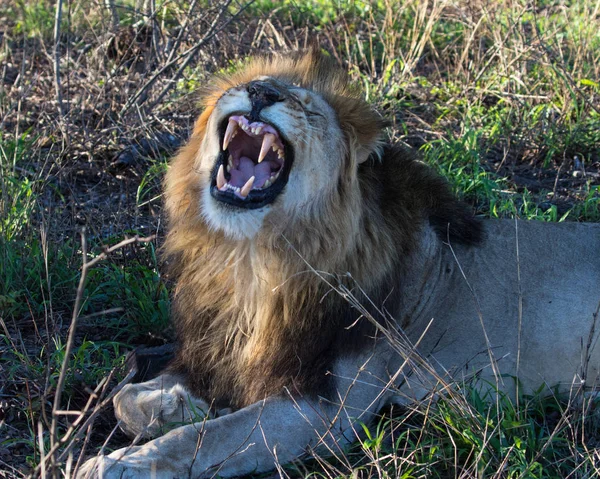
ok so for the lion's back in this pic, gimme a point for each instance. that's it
(534, 288)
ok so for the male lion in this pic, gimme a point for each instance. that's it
(302, 243)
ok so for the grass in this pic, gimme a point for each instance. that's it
(502, 98)
(493, 437)
(125, 303)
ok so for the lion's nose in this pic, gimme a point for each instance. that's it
(262, 91)
(262, 94)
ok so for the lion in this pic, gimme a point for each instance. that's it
(323, 272)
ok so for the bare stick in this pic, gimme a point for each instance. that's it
(57, 20)
(182, 31)
(493, 361)
(69, 346)
(189, 53)
(41, 446)
(520, 316)
(76, 429)
(587, 351)
(54, 440)
(114, 16)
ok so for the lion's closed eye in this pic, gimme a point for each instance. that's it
(312, 113)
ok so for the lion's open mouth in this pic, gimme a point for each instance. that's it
(253, 165)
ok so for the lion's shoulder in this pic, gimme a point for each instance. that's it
(408, 191)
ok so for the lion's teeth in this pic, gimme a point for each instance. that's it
(247, 187)
(258, 130)
(280, 154)
(229, 133)
(267, 142)
(267, 184)
(221, 177)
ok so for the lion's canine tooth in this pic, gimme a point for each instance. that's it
(247, 187)
(267, 142)
(221, 177)
(229, 133)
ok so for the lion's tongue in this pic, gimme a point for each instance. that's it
(246, 169)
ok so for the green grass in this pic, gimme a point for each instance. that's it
(125, 302)
(32, 18)
(474, 435)
(482, 438)
(32, 272)
(138, 290)
(38, 271)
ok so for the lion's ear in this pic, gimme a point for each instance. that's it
(365, 151)
(370, 139)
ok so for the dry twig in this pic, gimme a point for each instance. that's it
(114, 15)
(57, 20)
(189, 55)
(55, 441)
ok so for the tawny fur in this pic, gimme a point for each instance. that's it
(251, 316)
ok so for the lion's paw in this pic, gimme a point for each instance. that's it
(115, 465)
(130, 463)
(151, 412)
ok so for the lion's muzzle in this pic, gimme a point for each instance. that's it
(253, 165)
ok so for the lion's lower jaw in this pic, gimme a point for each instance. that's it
(237, 225)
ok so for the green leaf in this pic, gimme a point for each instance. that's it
(588, 82)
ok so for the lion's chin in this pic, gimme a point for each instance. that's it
(253, 165)
(234, 222)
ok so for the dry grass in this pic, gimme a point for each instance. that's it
(502, 97)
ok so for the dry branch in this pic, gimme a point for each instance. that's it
(55, 441)
(57, 20)
(114, 16)
(182, 31)
(189, 55)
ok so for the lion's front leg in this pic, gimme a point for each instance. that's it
(258, 437)
(152, 408)
(253, 439)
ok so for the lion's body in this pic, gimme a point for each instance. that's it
(532, 288)
(264, 306)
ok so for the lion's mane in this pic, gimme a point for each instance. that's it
(254, 316)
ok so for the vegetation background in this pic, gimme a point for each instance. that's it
(501, 96)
